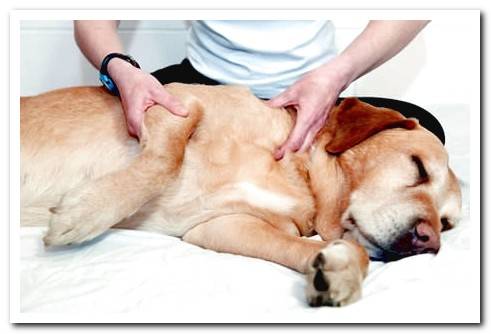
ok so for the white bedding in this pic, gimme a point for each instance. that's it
(134, 276)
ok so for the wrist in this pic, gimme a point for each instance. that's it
(118, 67)
(343, 70)
(112, 70)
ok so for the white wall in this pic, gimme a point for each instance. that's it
(431, 70)
(51, 59)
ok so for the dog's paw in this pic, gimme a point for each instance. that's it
(74, 221)
(334, 276)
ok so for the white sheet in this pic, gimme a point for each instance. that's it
(138, 276)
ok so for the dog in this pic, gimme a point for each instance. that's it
(373, 185)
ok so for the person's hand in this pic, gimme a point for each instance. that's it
(312, 96)
(139, 91)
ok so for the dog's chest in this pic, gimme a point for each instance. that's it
(208, 188)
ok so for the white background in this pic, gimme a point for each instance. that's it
(375, 4)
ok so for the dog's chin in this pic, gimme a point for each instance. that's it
(387, 256)
(375, 251)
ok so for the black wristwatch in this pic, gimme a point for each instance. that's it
(104, 76)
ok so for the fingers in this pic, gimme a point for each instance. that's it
(295, 139)
(168, 101)
(311, 134)
(136, 106)
(303, 133)
(139, 91)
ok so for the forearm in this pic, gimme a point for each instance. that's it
(379, 42)
(96, 39)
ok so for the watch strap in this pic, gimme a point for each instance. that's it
(104, 76)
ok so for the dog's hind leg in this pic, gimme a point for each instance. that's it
(89, 210)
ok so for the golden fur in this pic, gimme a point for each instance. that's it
(211, 179)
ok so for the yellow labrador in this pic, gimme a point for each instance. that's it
(374, 184)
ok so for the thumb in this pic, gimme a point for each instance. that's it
(280, 100)
(170, 102)
(134, 120)
(134, 111)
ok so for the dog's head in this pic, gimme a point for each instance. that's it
(392, 188)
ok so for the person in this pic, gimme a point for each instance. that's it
(290, 63)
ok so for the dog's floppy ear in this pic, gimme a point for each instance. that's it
(353, 121)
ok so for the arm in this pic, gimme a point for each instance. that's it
(138, 89)
(384, 38)
(316, 93)
(96, 39)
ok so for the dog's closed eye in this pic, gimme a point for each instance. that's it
(423, 176)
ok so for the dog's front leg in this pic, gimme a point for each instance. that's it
(251, 236)
(89, 210)
(334, 271)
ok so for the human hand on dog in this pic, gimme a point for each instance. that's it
(139, 91)
(312, 96)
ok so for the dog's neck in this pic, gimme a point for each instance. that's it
(330, 188)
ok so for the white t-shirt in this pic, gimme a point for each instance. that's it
(267, 56)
